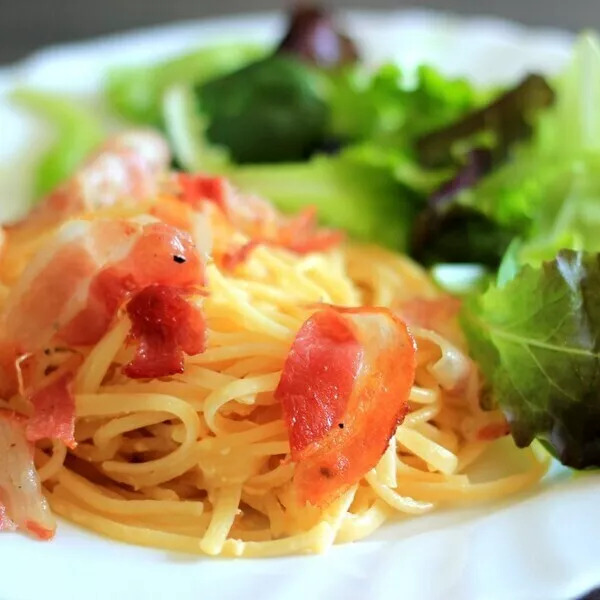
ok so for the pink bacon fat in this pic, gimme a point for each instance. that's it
(127, 167)
(126, 170)
(71, 291)
(256, 218)
(22, 504)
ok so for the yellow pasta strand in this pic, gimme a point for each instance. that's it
(224, 511)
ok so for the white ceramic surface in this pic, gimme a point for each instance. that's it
(545, 545)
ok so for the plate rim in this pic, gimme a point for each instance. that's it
(509, 26)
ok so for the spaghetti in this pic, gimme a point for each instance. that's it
(199, 461)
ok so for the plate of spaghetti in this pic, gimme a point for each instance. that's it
(324, 302)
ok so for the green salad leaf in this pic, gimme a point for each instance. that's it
(446, 231)
(269, 111)
(136, 92)
(549, 192)
(537, 340)
(474, 215)
(382, 107)
(77, 133)
(567, 160)
(186, 129)
(366, 201)
(503, 121)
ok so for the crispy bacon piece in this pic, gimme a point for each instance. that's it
(165, 325)
(22, 503)
(53, 412)
(73, 288)
(197, 189)
(256, 219)
(301, 234)
(344, 390)
(170, 210)
(160, 255)
(232, 258)
(126, 168)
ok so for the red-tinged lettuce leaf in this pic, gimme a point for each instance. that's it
(315, 38)
(537, 339)
(549, 190)
(445, 231)
(456, 225)
(507, 118)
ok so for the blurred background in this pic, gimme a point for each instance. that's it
(30, 24)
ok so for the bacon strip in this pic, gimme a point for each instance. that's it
(126, 168)
(344, 390)
(53, 412)
(72, 290)
(165, 325)
(197, 189)
(256, 219)
(74, 287)
(21, 500)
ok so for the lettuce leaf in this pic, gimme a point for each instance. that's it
(136, 93)
(536, 332)
(549, 192)
(567, 156)
(78, 132)
(505, 120)
(186, 129)
(367, 201)
(269, 111)
(447, 232)
(537, 340)
(383, 107)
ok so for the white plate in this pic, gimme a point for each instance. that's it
(545, 545)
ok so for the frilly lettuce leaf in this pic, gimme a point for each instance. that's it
(537, 340)
(536, 333)
(550, 190)
(502, 122)
(383, 107)
(567, 157)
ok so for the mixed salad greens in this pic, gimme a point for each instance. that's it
(507, 179)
